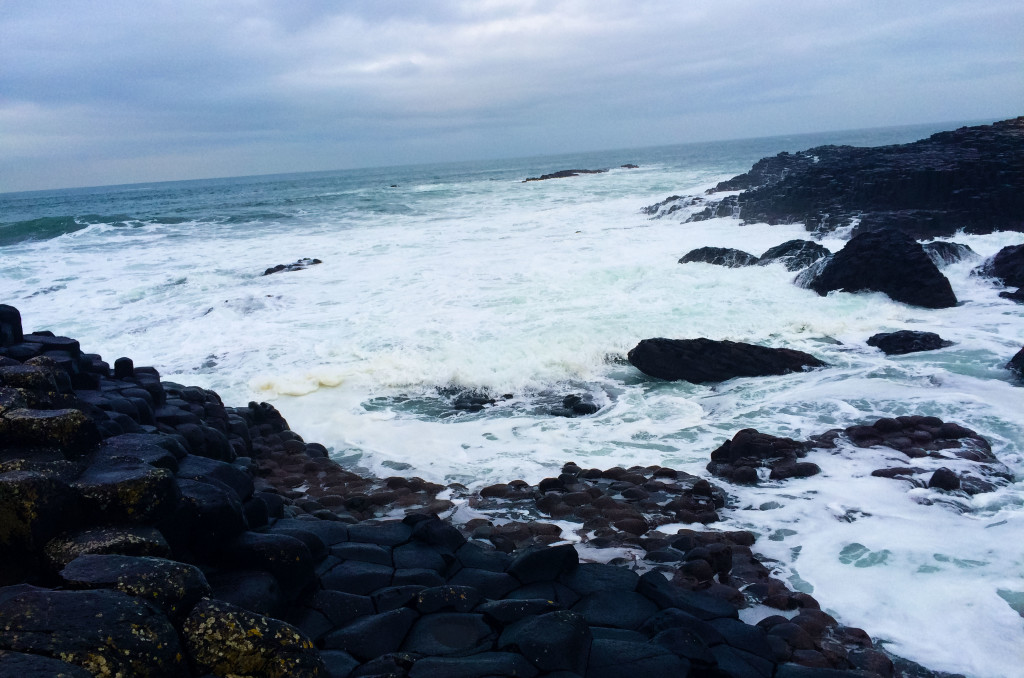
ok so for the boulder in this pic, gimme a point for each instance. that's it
(719, 256)
(10, 326)
(106, 632)
(67, 430)
(556, 641)
(226, 640)
(705, 360)
(1007, 266)
(295, 266)
(739, 459)
(37, 666)
(907, 341)
(125, 490)
(128, 541)
(794, 254)
(889, 262)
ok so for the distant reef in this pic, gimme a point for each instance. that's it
(971, 178)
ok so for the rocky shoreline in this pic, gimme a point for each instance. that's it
(149, 530)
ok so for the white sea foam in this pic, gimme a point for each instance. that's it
(538, 290)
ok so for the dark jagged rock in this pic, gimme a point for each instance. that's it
(945, 253)
(295, 266)
(705, 360)
(1016, 295)
(889, 262)
(739, 459)
(671, 205)
(907, 341)
(563, 174)
(1016, 364)
(1007, 266)
(794, 254)
(966, 179)
(719, 256)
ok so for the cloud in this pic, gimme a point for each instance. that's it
(149, 85)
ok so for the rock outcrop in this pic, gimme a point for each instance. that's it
(966, 179)
(794, 254)
(1007, 266)
(705, 360)
(295, 266)
(889, 262)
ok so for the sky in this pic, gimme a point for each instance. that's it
(122, 91)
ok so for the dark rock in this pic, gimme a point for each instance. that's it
(705, 360)
(227, 640)
(965, 179)
(367, 553)
(746, 637)
(590, 578)
(253, 590)
(621, 609)
(794, 254)
(1016, 363)
(907, 341)
(105, 632)
(390, 533)
(739, 459)
(10, 326)
(492, 585)
(123, 368)
(617, 658)
(139, 540)
(1007, 266)
(174, 587)
(70, 431)
(127, 490)
(562, 174)
(889, 262)
(1016, 295)
(944, 479)
(448, 634)
(285, 557)
(447, 597)
(544, 564)
(37, 666)
(556, 641)
(701, 605)
(34, 508)
(945, 253)
(482, 665)
(372, 636)
(509, 610)
(207, 517)
(719, 256)
(296, 266)
(353, 576)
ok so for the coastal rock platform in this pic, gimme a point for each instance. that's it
(147, 529)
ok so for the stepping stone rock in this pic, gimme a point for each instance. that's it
(37, 666)
(483, 665)
(449, 634)
(372, 636)
(551, 642)
(623, 659)
(226, 640)
(105, 632)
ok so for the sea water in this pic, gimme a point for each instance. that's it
(446, 279)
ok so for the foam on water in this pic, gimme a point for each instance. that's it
(473, 280)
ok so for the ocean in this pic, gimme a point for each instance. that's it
(439, 281)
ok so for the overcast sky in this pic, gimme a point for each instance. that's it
(116, 91)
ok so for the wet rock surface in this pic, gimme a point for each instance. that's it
(299, 265)
(705, 360)
(890, 262)
(907, 341)
(564, 174)
(795, 255)
(190, 539)
(964, 179)
(1007, 266)
(719, 256)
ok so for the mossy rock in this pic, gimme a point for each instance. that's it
(128, 541)
(174, 587)
(106, 632)
(127, 490)
(68, 430)
(228, 641)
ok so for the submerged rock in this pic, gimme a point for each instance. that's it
(739, 459)
(794, 254)
(889, 262)
(719, 256)
(563, 174)
(296, 266)
(907, 341)
(705, 360)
